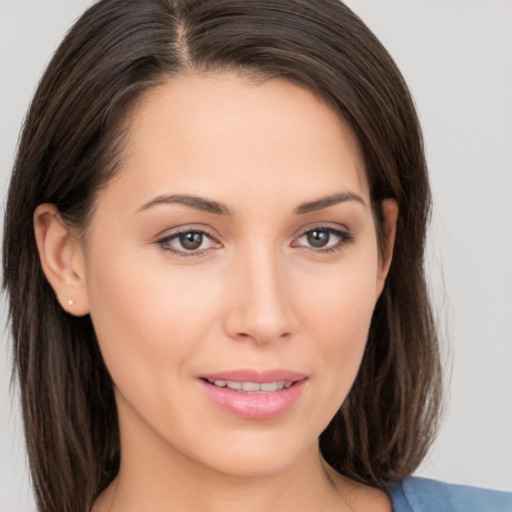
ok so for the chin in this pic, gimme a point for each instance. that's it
(257, 455)
(255, 465)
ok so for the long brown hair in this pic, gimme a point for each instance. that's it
(72, 143)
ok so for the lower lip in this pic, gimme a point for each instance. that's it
(255, 406)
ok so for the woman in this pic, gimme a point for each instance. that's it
(229, 202)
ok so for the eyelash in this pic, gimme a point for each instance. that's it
(163, 242)
(345, 238)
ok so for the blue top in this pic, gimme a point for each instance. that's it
(424, 495)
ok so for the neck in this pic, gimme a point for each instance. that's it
(185, 486)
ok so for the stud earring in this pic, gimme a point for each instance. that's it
(71, 302)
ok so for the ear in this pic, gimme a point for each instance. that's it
(62, 259)
(390, 216)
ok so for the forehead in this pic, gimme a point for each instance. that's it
(225, 135)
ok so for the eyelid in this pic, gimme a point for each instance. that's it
(330, 225)
(185, 228)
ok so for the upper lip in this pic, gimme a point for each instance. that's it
(259, 376)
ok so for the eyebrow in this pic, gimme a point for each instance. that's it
(210, 206)
(325, 202)
(199, 203)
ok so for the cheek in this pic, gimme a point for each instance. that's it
(338, 356)
(336, 319)
(147, 318)
(342, 319)
(339, 301)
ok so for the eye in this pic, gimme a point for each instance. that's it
(189, 242)
(324, 239)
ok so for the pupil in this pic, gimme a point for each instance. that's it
(318, 238)
(191, 241)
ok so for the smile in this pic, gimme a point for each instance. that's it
(252, 387)
(254, 395)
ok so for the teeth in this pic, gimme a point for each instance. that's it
(253, 387)
(250, 386)
(269, 386)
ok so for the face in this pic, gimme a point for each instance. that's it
(232, 269)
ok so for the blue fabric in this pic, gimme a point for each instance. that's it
(424, 495)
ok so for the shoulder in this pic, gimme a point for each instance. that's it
(424, 495)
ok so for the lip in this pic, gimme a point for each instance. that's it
(246, 375)
(259, 405)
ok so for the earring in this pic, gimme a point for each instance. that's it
(71, 302)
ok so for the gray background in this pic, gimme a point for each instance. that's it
(457, 58)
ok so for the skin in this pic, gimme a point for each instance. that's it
(257, 294)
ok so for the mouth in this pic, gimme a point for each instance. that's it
(255, 395)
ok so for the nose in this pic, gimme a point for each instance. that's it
(260, 306)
